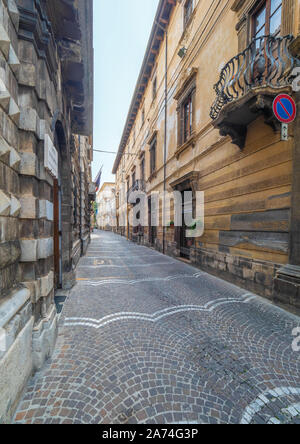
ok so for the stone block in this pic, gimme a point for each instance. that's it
(15, 369)
(29, 120)
(248, 274)
(47, 284)
(9, 253)
(27, 74)
(5, 203)
(13, 61)
(4, 41)
(12, 304)
(44, 339)
(4, 96)
(13, 12)
(29, 249)
(46, 210)
(15, 207)
(29, 207)
(45, 248)
(29, 164)
(34, 287)
(4, 150)
(14, 111)
(8, 229)
(69, 280)
(14, 160)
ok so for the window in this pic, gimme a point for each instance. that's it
(154, 87)
(133, 178)
(143, 116)
(267, 18)
(188, 10)
(186, 119)
(153, 155)
(143, 169)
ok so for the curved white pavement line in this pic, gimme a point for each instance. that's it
(261, 401)
(291, 412)
(95, 283)
(160, 264)
(155, 317)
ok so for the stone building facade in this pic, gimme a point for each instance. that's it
(46, 119)
(106, 207)
(201, 120)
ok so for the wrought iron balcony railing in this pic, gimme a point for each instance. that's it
(265, 62)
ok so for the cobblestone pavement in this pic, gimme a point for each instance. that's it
(148, 339)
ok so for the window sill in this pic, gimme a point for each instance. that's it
(190, 142)
(152, 176)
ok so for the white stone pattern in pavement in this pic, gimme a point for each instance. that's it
(158, 316)
(262, 400)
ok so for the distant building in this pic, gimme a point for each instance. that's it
(106, 207)
(46, 123)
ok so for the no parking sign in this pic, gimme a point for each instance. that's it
(284, 108)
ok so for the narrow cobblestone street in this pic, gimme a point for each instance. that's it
(147, 339)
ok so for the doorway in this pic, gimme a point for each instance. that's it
(57, 235)
(152, 229)
(185, 243)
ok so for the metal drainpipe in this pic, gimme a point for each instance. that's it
(80, 199)
(166, 128)
(165, 141)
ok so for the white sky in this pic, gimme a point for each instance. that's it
(121, 32)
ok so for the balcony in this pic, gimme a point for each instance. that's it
(248, 85)
(139, 185)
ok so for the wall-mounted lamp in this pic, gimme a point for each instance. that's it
(182, 52)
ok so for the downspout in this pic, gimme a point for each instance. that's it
(165, 136)
(80, 199)
(165, 143)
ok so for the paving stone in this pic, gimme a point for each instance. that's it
(148, 339)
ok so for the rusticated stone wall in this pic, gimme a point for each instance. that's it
(37, 110)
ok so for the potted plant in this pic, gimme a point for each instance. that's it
(171, 224)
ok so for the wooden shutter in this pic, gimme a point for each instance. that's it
(288, 17)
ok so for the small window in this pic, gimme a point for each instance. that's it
(188, 10)
(133, 179)
(154, 87)
(153, 147)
